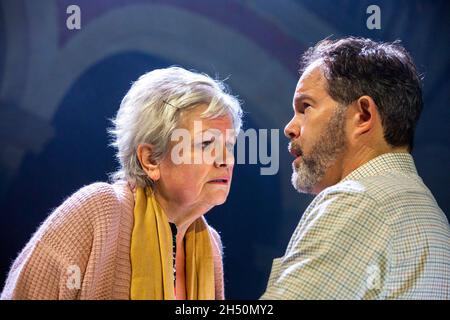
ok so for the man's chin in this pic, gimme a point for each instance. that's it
(301, 183)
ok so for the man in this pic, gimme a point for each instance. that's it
(374, 230)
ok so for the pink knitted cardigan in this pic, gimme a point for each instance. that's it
(91, 233)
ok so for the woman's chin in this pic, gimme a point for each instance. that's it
(218, 199)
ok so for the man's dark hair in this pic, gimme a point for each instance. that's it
(354, 67)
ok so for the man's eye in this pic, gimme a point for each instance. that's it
(301, 108)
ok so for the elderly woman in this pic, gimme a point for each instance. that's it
(144, 236)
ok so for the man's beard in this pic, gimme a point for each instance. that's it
(311, 169)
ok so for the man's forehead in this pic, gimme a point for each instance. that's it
(311, 78)
(312, 75)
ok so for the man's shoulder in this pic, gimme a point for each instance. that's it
(345, 197)
(374, 197)
(350, 192)
(396, 197)
(383, 188)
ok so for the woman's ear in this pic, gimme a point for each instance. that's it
(145, 156)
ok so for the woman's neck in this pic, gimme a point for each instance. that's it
(181, 216)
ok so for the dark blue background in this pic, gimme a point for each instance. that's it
(47, 156)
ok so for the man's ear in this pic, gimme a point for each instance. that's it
(145, 156)
(364, 116)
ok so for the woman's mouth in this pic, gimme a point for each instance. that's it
(220, 181)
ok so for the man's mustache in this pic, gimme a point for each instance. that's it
(295, 149)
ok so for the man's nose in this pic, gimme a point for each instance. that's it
(292, 129)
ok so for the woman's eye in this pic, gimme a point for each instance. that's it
(230, 146)
(205, 144)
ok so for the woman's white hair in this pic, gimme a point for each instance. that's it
(151, 109)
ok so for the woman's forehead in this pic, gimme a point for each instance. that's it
(192, 120)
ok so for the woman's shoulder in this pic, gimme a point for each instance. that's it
(97, 196)
(91, 207)
(100, 191)
(85, 226)
(102, 194)
(216, 239)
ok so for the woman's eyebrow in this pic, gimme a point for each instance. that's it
(210, 133)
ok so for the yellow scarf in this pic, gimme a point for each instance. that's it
(151, 254)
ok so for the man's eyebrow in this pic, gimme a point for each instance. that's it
(301, 97)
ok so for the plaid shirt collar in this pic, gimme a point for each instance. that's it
(388, 162)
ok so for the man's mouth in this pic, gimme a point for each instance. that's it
(295, 150)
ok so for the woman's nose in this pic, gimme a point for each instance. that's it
(224, 159)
